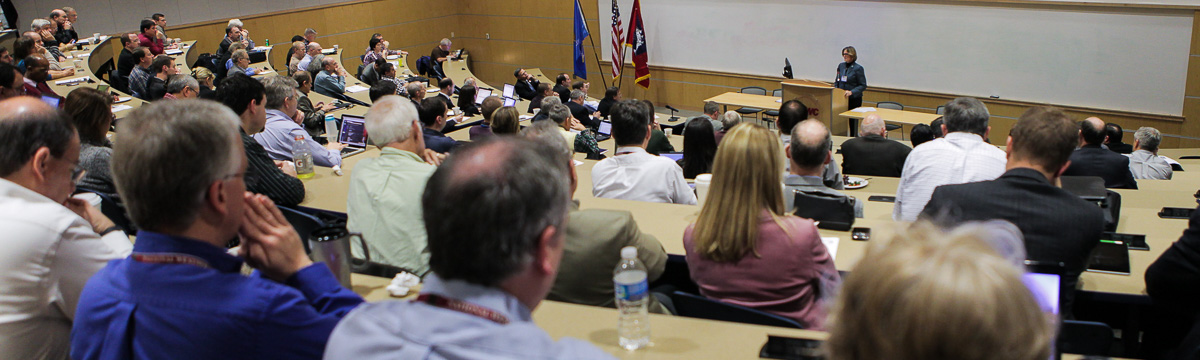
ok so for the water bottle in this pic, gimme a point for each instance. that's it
(632, 291)
(331, 128)
(303, 158)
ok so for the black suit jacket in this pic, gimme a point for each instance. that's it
(580, 112)
(535, 103)
(527, 90)
(1091, 160)
(1058, 226)
(564, 93)
(873, 155)
(1120, 147)
(1174, 279)
(125, 63)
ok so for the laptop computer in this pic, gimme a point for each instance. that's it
(509, 91)
(675, 156)
(605, 131)
(353, 134)
(510, 102)
(50, 100)
(482, 94)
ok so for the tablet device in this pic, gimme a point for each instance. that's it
(353, 134)
(53, 101)
(481, 94)
(509, 90)
(1110, 257)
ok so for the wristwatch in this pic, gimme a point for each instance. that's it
(109, 229)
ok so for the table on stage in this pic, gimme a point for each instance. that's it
(901, 117)
(762, 102)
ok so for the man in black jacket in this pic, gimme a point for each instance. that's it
(580, 112)
(1173, 283)
(526, 86)
(126, 61)
(872, 153)
(275, 179)
(562, 86)
(1058, 226)
(1115, 133)
(1092, 160)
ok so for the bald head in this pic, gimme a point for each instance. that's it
(809, 148)
(314, 48)
(1091, 131)
(872, 125)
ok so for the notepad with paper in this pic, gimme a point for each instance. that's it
(356, 88)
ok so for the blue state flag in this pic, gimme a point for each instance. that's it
(581, 32)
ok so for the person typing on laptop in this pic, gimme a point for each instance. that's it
(283, 125)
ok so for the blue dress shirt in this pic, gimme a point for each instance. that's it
(409, 330)
(279, 137)
(331, 85)
(140, 310)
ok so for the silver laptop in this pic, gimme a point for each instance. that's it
(353, 134)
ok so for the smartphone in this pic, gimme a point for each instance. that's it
(1135, 241)
(102, 88)
(881, 198)
(1175, 213)
(780, 347)
(860, 234)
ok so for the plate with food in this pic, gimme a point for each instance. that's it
(854, 182)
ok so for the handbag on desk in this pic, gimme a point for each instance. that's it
(832, 212)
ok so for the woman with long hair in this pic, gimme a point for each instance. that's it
(744, 248)
(699, 147)
(506, 120)
(90, 111)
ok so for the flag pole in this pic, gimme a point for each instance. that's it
(597, 56)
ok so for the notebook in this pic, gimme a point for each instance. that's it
(353, 134)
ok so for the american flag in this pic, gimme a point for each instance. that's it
(618, 41)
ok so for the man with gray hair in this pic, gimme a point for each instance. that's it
(313, 54)
(496, 217)
(180, 86)
(180, 170)
(728, 120)
(595, 238)
(580, 111)
(579, 137)
(1144, 162)
(809, 150)
(283, 131)
(714, 114)
(53, 242)
(384, 202)
(547, 102)
(960, 157)
(872, 153)
(331, 81)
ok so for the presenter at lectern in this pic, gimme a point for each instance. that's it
(851, 77)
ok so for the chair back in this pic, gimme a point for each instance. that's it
(889, 105)
(1085, 338)
(755, 90)
(832, 212)
(700, 307)
(941, 110)
(777, 93)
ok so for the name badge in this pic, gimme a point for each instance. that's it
(843, 79)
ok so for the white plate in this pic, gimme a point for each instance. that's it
(862, 183)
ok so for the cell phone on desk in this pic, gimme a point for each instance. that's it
(781, 347)
(882, 198)
(860, 234)
(1175, 213)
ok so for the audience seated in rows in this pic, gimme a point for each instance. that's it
(792, 112)
(728, 120)
(370, 72)
(466, 97)
(920, 134)
(594, 237)
(579, 137)
(590, 119)
(495, 215)
(659, 143)
(1061, 227)
(160, 26)
(86, 108)
(275, 179)
(1092, 160)
(744, 249)
(416, 93)
(43, 31)
(543, 91)
(387, 73)
(384, 200)
(374, 51)
(611, 96)
(1115, 134)
(331, 81)
(141, 74)
(63, 25)
(872, 153)
(699, 147)
(488, 108)
(547, 102)
(54, 243)
(314, 115)
(380, 90)
(1144, 162)
(36, 73)
(182, 295)
(632, 173)
(283, 133)
(12, 82)
(240, 63)
(27, 45)
(206, 78)
(312, 58)
(148, 37)
(126, 61)
(433, 119)
(808, 152)
(295, 54)
(960, 157)
(6, 56)
(562, 87)
(714, 115)
(970, 299)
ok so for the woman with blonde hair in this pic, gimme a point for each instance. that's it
(744, 248)
(205, 77)
(929, 294)
(506, 120)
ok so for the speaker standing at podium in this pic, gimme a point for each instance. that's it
(853, 78)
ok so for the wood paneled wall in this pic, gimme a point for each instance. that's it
(504, 36)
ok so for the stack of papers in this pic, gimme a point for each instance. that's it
(393, 57)
(356, 88)
(864, 109)
(831, 243)
(72, 81)
(118, 108)
(172, 51)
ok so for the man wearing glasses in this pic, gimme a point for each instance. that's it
(53, 243)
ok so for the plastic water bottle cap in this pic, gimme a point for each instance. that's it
(629, 252)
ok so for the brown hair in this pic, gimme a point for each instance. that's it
(1044, 136)
(89, 111)
(746, 180)
(853, 53)
(506, 120)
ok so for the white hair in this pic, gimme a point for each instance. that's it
(391, 120)
(469, 82)
(235, 22)
(38, 24)
(730, 118)
(1148, 138)
(872, 124)
(445, 42)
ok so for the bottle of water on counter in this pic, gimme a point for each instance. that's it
(303, 158)
(632, 292)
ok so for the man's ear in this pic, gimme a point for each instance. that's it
(548, 242)
(1008, 148)
(40, 163)
(787, 150)
(215, 198)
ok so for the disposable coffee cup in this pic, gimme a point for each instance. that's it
(91, 198)
(702, 183)
(668, 131)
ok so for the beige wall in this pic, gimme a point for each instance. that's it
(537, 34)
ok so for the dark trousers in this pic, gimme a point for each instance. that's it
(851, 104)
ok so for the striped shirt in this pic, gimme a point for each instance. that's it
(283, 189)
(956, 159)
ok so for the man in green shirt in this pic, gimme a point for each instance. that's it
(384, 202)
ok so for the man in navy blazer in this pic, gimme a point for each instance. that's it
(1092, 160)
(526, 86)
(1057, 225)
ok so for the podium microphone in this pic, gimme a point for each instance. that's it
(673, 111)
(787, 68)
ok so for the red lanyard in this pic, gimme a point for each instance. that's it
(169, 258)
(462, 307)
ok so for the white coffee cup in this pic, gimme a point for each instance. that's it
(668, 131)
(702, 183)
(91, 198)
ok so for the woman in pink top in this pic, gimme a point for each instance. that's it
(744, 249)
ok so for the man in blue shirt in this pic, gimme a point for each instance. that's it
(433, 119)
(279, 135)
(496, 216)
(180, 169)
(331, 81)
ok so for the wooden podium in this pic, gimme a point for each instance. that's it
(821, 97)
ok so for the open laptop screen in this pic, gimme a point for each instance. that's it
(482, 94)
(510, 102)
(509, 89)
(354, 132)
(605, 128)
(1045, 288)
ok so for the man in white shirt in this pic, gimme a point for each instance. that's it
(1144, 162)
(50, 250)
(960, 157)
(632, 173)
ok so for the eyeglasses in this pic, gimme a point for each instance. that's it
(247, 177)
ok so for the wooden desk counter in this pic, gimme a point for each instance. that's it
(86, 69)
(764, 102)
